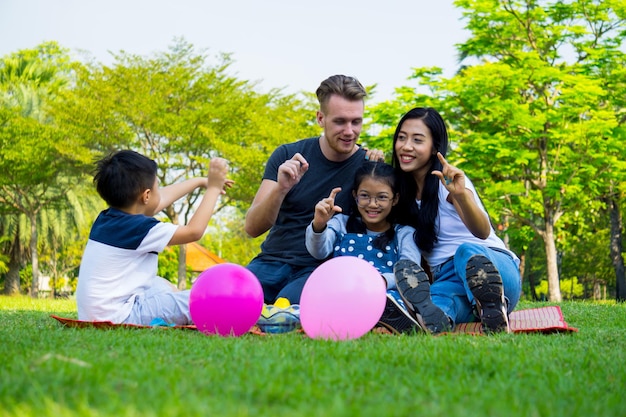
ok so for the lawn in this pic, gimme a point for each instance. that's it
(49, 370)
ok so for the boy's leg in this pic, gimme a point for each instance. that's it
(161, 301)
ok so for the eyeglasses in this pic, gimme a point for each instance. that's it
(364, 200)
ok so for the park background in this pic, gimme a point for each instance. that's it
(535, 104)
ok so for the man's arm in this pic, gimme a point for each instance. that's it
(263, 212)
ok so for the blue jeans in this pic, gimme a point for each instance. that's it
(450, 291)
(279, 279)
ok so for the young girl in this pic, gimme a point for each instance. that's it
(369, 232)
(472, 268)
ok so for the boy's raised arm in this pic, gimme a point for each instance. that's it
(216, 183)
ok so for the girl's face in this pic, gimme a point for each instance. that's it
(375, 200)
(414, 146)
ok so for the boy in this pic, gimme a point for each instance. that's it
(117, 280)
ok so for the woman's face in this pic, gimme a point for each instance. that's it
(375, 200)
(414, 146)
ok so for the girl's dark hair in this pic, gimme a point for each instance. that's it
(379, 171)
(122, 176)
(421, 218)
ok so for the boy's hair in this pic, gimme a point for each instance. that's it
(383, 172)
(122, 176)
(347, 87)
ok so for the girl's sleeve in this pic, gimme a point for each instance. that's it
(320, 245)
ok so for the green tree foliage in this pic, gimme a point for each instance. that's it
(37, 166)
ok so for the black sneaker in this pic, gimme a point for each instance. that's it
(485, 283)
(414, 288)
(396, 318)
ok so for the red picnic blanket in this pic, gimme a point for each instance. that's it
(533, 320)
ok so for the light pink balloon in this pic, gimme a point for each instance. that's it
(226, 299)
(343, 299)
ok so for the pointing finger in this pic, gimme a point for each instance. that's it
(334, 193)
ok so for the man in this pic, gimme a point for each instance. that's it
(296, 177)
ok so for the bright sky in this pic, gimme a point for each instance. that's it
(289, 44)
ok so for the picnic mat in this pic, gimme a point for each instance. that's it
(534, 320)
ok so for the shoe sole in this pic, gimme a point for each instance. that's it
(485, 283)
(396, 320)
(414, 289)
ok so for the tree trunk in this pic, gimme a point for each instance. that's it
(12, 278)
(522, 269)
(554, 289)
(182, 267)
(616, 247)
(34, 292)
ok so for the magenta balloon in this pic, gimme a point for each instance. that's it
(226, 299)
(343, 299)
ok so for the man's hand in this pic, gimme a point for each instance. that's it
(291, 171)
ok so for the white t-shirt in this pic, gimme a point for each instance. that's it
(120, 262)
(452, 232)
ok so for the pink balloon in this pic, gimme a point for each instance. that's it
(343, 299)
(226, 299)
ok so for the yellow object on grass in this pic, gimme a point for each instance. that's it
(282, 303)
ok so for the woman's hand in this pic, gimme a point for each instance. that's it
(451, 177)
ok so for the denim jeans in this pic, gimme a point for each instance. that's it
(279, 279)
(450, 291)
(164, 301)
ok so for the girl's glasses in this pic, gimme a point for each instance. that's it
(364, 200)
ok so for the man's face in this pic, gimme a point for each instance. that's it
(342, 122)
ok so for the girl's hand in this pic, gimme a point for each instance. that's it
(450, 176)
(325, 210)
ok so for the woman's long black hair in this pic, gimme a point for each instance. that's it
(423, 217)
(379, 171)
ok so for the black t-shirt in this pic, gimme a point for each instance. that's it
(286, 239)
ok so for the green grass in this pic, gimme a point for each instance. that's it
(49, 370)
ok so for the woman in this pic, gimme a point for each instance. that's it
(473, 272)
